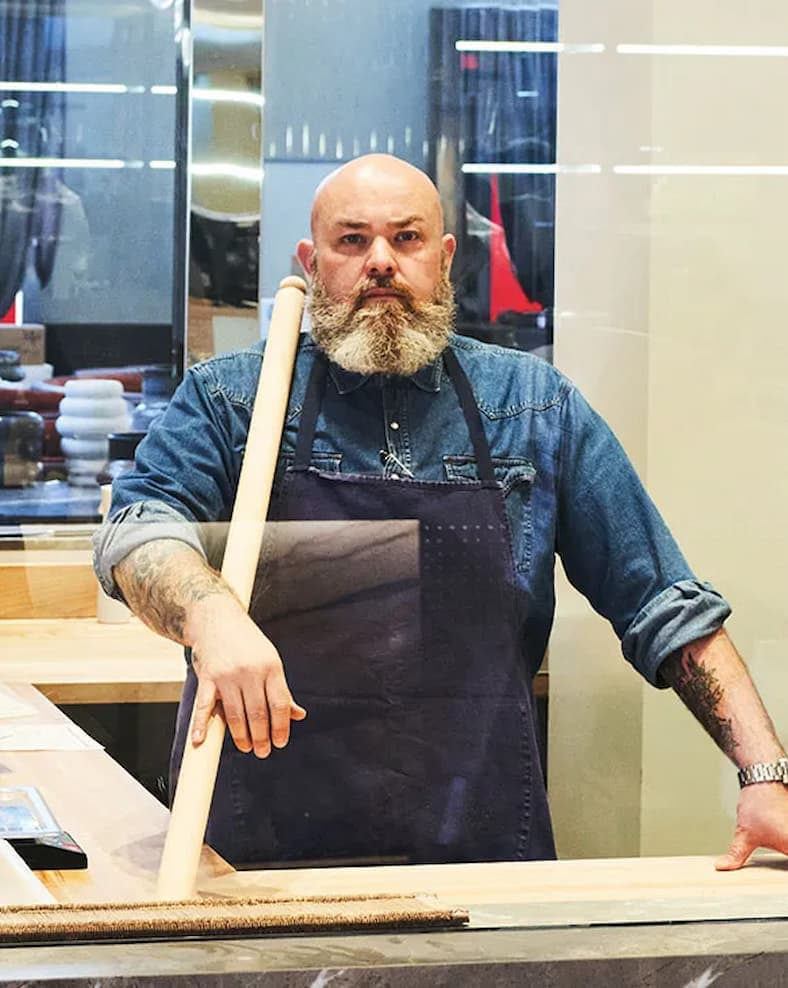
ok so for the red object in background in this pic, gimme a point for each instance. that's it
(469, 62)
(10, 316)
(506, 292)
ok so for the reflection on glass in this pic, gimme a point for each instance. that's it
(471, 99)
(87, 234)
(64, 112)
(226, 176)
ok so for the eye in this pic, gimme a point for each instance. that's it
(407, 236)
(351, 239)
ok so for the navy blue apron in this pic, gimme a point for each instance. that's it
(419, 745)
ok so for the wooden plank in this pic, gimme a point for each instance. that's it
(47, 583)
(121, 827)
(550, 893)
(526, 881)
(85, 693)
(83, 661)
(117, 822)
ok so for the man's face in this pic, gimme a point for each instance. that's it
(381, 300)
(379, 219)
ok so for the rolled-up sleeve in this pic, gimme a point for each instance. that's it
(133, 526)
(681, 614)
(184, 476)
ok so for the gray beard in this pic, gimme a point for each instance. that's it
(393, 336)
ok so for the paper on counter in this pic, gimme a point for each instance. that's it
(11, 706)
(45, 737)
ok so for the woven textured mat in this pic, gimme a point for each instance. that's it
(222, 917)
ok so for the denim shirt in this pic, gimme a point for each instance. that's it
(569, 487)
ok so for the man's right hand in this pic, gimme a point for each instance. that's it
(172, 589)
(238, 666)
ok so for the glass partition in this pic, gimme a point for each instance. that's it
(225, 170)
(614, 176)
(670, 201)
(465, 91)
(91, 239)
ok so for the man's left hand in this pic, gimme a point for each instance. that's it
(761, 821)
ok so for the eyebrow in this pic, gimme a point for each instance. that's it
(362, 224)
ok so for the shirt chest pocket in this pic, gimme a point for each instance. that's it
(516, 477)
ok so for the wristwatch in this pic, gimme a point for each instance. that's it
(764, 772)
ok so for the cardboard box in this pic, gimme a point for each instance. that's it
(213, 329)
(26, 338)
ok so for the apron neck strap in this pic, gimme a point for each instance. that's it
(313, 400)
(481, 448)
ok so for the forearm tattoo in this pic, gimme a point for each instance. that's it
(701, 692)
(161, 580)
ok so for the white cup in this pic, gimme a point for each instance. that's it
(108, 610)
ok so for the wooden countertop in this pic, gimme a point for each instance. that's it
(549, 893)
(122, 828)
(119, 824)
(78, 660)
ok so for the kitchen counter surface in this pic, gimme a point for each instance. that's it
(655, 922)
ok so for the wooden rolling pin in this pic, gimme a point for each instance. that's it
(180, 860)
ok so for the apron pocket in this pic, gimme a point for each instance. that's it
(516, 477)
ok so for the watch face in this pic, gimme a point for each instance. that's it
(23, 813)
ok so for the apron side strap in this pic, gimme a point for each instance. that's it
(481, 448)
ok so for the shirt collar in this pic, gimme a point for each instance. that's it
(428, 378)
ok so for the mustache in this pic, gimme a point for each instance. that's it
(387, 282)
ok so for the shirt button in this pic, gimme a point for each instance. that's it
(394, 425)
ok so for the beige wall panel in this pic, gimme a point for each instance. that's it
(718, 399)
(601, 342)
(671, 296)
(716, 22)
(595, 729)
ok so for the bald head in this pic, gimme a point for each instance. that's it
(380, 295)
(382, 177)
(377, 216)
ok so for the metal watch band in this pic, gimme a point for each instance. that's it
(764, 772)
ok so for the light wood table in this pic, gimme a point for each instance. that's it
(566, 923)
(78, 660)
(121, 827)
(119, 824)
(550, 893)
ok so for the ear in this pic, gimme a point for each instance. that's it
(449, 246)
(305, 252)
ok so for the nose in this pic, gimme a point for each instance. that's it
(380, 261)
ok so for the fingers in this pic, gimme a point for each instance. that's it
(257, 703)
(280, 704)
(270, 714)
(235, 708)
(204, 702)
(255, 717)
(736, 857)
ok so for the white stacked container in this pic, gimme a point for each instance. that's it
(90, 411)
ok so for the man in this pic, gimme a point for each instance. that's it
(420, 742)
